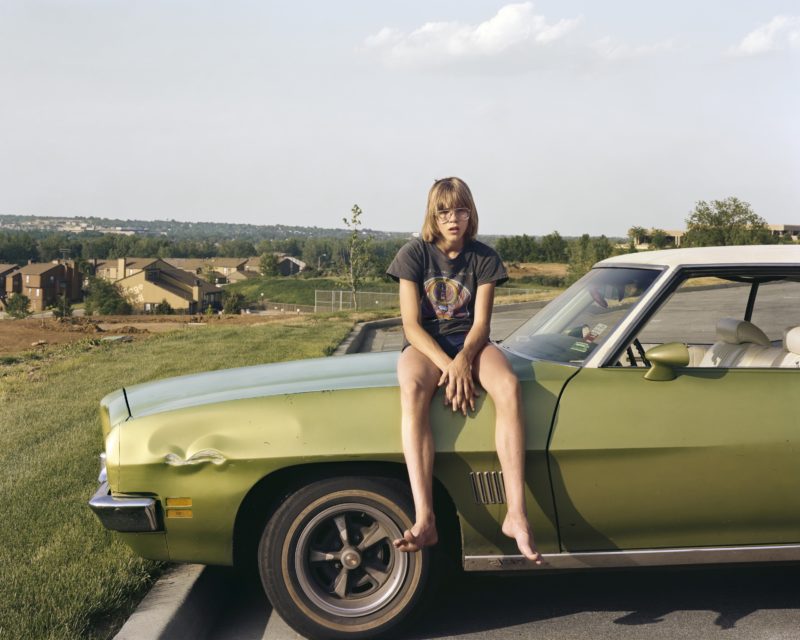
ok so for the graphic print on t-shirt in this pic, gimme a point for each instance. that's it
(446, 298)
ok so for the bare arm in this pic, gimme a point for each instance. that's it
(415, 334)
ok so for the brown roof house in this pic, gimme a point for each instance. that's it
(119, 268)
(216, 270)
(287, 265)
(44, 282)
(158, 281)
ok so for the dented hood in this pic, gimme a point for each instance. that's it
(299, 376)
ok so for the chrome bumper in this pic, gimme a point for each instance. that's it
(129, 514)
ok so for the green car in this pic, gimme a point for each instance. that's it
(661, 403)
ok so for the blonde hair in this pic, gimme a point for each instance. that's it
(449, 193)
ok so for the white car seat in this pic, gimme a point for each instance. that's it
(786, 356)
(734, 338)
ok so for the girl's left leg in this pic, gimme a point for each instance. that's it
(496, 376)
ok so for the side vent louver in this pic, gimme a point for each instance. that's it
(487, 487)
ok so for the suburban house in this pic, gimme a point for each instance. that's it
(116, 269)
(253, 265)
(289, 265)
(674, 237)
(217, 270)
(786, 231)
(149, 281)
(43, 282)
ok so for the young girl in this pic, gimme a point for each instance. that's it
(447, 281)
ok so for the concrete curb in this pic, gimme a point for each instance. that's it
(181, 604)
(353, 342)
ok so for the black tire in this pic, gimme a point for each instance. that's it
(326, 583)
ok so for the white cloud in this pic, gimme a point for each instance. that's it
(515, 26)
(782, 32)
(612, 50)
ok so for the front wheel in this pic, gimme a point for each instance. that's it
(328, 564)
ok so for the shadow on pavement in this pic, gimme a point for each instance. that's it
(481, 603)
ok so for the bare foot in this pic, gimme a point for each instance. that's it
(418, 536)
(518, 528)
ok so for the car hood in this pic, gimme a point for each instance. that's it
(299, 376)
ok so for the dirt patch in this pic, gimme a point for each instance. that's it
(17, 336)
(521, 269)
(29, 334)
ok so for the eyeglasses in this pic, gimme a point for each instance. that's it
(459, 214)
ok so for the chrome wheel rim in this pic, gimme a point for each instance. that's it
(345, 561)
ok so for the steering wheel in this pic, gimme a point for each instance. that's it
(598, 298)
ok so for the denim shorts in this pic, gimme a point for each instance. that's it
(452, 343)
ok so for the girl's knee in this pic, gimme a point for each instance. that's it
(416, 389)
(505, 389)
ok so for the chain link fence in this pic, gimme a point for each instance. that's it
(342, 300)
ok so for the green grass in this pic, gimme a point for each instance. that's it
(62, 575)
(298, 290)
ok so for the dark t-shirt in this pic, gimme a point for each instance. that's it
(447, 287)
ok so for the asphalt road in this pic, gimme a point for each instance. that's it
(741, 603)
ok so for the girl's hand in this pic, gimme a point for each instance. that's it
(460, 391)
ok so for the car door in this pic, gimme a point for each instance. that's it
(711, 458)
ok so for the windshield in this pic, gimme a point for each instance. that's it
(574, 324)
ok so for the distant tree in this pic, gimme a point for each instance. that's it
(658, 238)
(232, 302)
(553, 248)
(164, 308)
(358, 253)
(268, 264)
(106, 298)
(725, 222)
(18, 305)
(54, 246)
(581, 257)
(584, 252)
(17, 248)
(62, 308)
(292, 246)
(637, 235)
(602, 248)
(318, 253)
(238, 248)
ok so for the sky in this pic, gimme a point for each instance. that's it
(574, 116)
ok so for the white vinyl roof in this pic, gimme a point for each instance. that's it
(765, 254)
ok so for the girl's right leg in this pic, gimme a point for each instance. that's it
(418, 379)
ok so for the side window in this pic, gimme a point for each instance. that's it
(691, 314)
(707, 314)
(777, 307)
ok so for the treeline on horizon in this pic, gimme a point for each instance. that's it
(718, 222)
